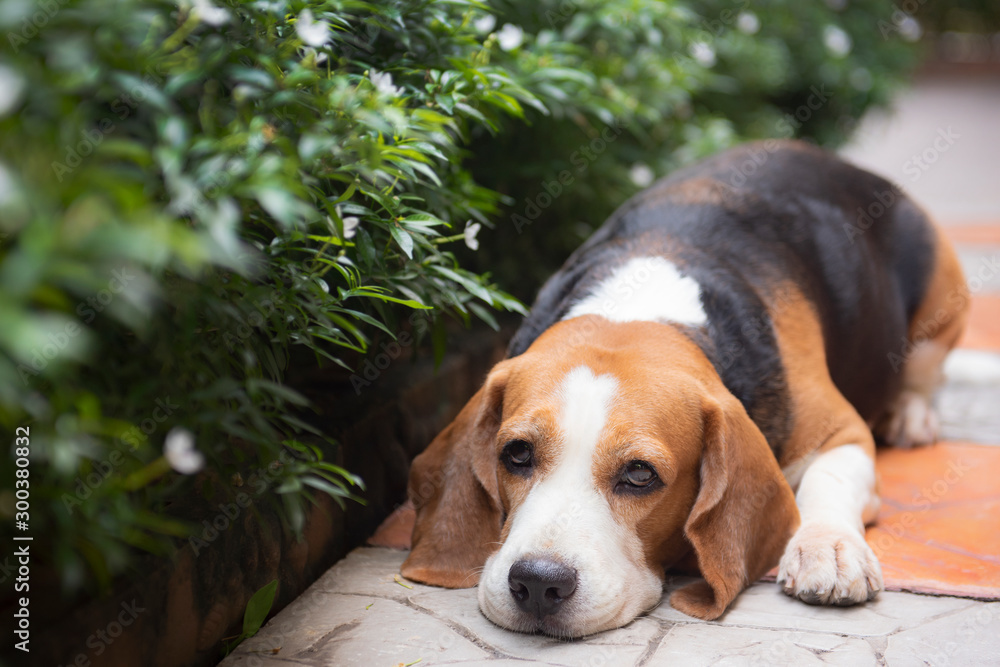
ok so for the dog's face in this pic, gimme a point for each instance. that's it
(584, 467)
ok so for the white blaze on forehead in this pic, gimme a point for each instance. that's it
(568, 496)
(645, 289)
(585, 399)
(584, 403)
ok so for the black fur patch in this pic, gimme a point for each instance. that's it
(776, 211)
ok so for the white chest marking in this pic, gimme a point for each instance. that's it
(646, 289)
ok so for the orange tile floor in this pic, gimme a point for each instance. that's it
(938, 530)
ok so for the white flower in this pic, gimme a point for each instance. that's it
(11, 87)
(179, 449)
(510, 37)
(209, 13)
(350, 225)
(640, 174)
(319, 57)
(837, 41)
(484, 23)
(383, 82)
(748, 23)
(703, 53)
(471, 229)
(909, 29)
(313, 33)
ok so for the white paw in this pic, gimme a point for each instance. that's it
(913, 422)
(827, 563)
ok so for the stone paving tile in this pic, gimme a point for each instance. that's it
(369, 571)
(697, 645)
(357, 614)
(623, 646)
(393, 633)
(763, 605)
(968, 637)
(355, 630)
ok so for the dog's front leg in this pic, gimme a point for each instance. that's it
(827, 561)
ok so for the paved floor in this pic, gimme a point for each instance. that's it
(360, 613)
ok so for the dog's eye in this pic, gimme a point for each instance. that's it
(517, 455)
(637, 475)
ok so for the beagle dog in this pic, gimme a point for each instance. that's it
(698, 387)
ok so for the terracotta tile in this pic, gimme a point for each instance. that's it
(939, 527)
(983, 331)
(977, 234)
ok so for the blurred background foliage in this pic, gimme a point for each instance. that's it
(194, 193)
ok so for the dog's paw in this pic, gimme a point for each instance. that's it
(829, 564)
(913, 422)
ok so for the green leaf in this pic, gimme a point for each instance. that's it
(468, 283)
(258, 608)
(404, 240)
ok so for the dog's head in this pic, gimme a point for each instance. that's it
(583, 468)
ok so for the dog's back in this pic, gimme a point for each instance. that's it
(748, 222)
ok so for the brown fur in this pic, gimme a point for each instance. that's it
(725, 503)
(944, 311)
(724, 494)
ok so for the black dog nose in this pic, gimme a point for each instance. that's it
(539, 586)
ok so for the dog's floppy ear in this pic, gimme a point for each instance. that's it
(453, 485)
(744, 513)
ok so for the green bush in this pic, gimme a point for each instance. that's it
(683, 80)
(192, 194)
